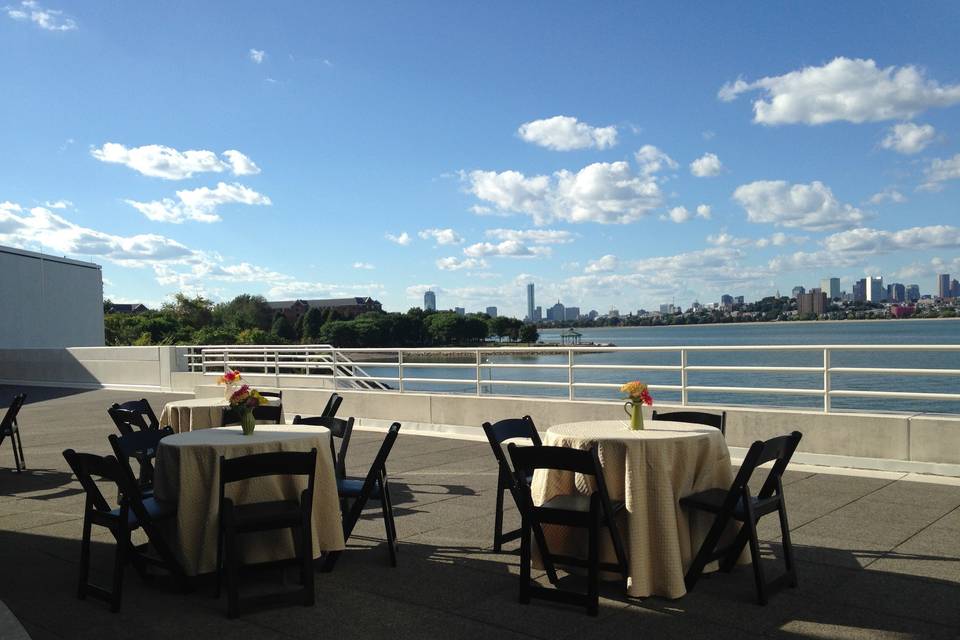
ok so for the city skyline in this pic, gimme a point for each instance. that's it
(262, 156)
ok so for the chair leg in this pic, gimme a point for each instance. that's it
(524, 595)
(593, 566)
(618, 548)
(498, 516)
(85, 556)
(119, 563)
(233, 573)
(385, 508)
(170, 561)
(787, 545)
(755, 558)
(16, 454)
(306, 565)
(544, 556)
(702, 558)
(23, 460)
(218, 572)
(393, 522)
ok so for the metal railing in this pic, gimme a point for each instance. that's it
(445, 370)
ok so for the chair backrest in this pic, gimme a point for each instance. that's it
(509, 429)
(272, 394)
(264, 413)
(143, 408)
(87, 466)
(695, 417)
(379, 467)
(780, 449)
(10, 417)
(141, 445)
(526, 460)
(332, 406)
(275, 463)
(127, 421)
(339, 428)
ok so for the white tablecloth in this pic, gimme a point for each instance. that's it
(193, 414)
(187, 472)
(650, 470)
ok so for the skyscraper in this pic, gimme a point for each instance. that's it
(943, 285)
(492, 312)
(797, 292)
(556, 312)
(831, 287)
(860, 290)
(530, 305)
(429, 301)
(460, 311)
(913, 292)
(875, 290)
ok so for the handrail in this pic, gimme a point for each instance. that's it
(487, 371)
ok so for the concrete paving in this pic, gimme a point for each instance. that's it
(879, 557)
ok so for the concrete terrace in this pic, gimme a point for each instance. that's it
(878, 556)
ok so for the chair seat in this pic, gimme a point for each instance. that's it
(157, 510)
(352, 487)
(577, 502)
(272, 514)
(711, 500)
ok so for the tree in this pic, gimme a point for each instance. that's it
(245, 312)
(339, 333)
(529, 333)
(254, 336)
(282, 328)
(475, 329)
(193, 312)
(500, 327)
(312, 322)
(444, 327)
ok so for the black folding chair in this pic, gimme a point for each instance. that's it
(592, 512)
(278, 395)
(141, 407)
(133, 512)
(695, 417)
(141, 445)
(333, 405)
(375, 486)
(267, 413)
(236, 519)
(339, 428)
(736, 503)
(497, 434)
(128, 421)
(10, 429)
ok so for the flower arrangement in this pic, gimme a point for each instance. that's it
(638, 394)
(243, 401)
(230, 376)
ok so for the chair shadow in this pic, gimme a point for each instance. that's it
(28, 481)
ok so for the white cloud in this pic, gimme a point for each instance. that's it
(889, 194)
(362, 265)
(940, 171)
(58, 204)
(806, 206)
(441, 236)
(704, 211)
(403, 239)
(199, 204)
(603, 192)
(46, 19)
(507, 248)
(908, 138)
(564, 133)
(159, 161)
(452, 263)
(299, 289)
(651, 160)
(534, 236)
(604, 264)
(843, 89)
(679, 215)
(257, 55)
(706, 166)
(724, 239)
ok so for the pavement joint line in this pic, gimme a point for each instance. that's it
(915, 534)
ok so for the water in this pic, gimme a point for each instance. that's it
(930, 332)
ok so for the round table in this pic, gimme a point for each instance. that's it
(187, 472)
(649, 470)
(196, 413)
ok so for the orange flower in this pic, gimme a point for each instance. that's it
(637, 392)
(229, 377)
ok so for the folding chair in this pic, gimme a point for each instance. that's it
(267, 413)
(147, 417)
(339, 428)
(497, 434)
(133, 512)
(10, 428)
(736, 503)
(593, 512)
(128, 421)
(333, 405)
(273, 394)
(374, 487)
(141, 445)
(237, 519)
(695, 417)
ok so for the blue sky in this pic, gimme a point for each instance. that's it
(617, 155)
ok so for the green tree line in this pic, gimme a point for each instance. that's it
(249, 320)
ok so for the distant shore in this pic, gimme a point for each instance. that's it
(727, 324)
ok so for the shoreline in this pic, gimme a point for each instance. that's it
(728, 324)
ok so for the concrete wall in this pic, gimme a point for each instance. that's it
(121, 367)
(49, 301)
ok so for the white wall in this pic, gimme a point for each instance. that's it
(49, 302)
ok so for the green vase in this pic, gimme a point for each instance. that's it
(247, 422)
(635, 411)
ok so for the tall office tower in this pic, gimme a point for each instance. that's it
(726, 300)
(738, 300)
(860, 290)
(898, 293)
(875, 291)
(492, 312)
(429, 301)
(555, 312)
(530, 305)
(797, 292)
(913, 292)
(460, 311)
(831, 287)
(538, 314)
(943, 286)
(571, 314)
(955, 289)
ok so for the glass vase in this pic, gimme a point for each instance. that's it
(247, 422)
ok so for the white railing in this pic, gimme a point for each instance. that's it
(406, 370)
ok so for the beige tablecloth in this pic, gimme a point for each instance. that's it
(193, 414)
(187, 472)
(650, 470)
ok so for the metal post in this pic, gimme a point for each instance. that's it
(400, 369)
(478, 371)
(333, 360)
(826, 380)
(684, 397)
(570, 393)
(276, 368)
(225, 359)
(203, 362)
